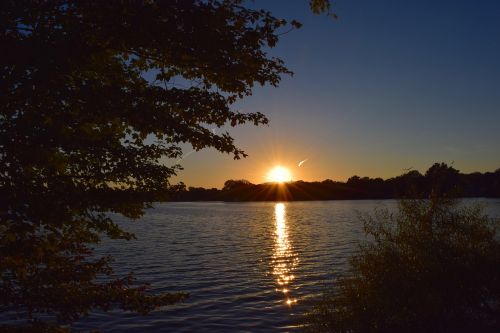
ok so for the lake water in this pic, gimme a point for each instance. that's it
(249, 267)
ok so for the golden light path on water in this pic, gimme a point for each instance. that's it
(285, 260)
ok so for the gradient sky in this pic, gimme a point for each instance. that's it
(388, 86)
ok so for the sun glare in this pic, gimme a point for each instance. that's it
(279, 174)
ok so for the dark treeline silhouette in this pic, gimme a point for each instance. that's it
(439, 177)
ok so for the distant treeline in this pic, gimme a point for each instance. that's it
(440, 177)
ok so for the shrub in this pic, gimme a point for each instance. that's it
(433, 266)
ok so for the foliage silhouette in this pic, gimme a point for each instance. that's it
(95, 95)
(432, 267)
(440, 178)
(231, 185)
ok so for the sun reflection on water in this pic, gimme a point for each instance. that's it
(284, 258)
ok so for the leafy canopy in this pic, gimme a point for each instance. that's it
(95, 95)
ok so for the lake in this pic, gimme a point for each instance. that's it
(249, 267)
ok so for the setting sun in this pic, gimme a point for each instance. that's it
(279, 174)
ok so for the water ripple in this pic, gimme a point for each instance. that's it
(241, 263)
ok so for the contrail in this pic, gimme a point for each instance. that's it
(302, 162)
(184, 156)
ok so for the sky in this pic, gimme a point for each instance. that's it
(390, 85)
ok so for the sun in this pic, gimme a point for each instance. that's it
(279, 174)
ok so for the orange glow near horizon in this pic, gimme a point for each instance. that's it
(279, 174)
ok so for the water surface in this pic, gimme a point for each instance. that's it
(249, 267)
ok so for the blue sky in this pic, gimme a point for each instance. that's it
(388, 86)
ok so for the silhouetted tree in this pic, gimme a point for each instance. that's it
(443, 179)
(93, 95)
(411, 184)
(232, 184)
(432, 267)
(353, 180)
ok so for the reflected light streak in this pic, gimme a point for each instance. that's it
(285, 260)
